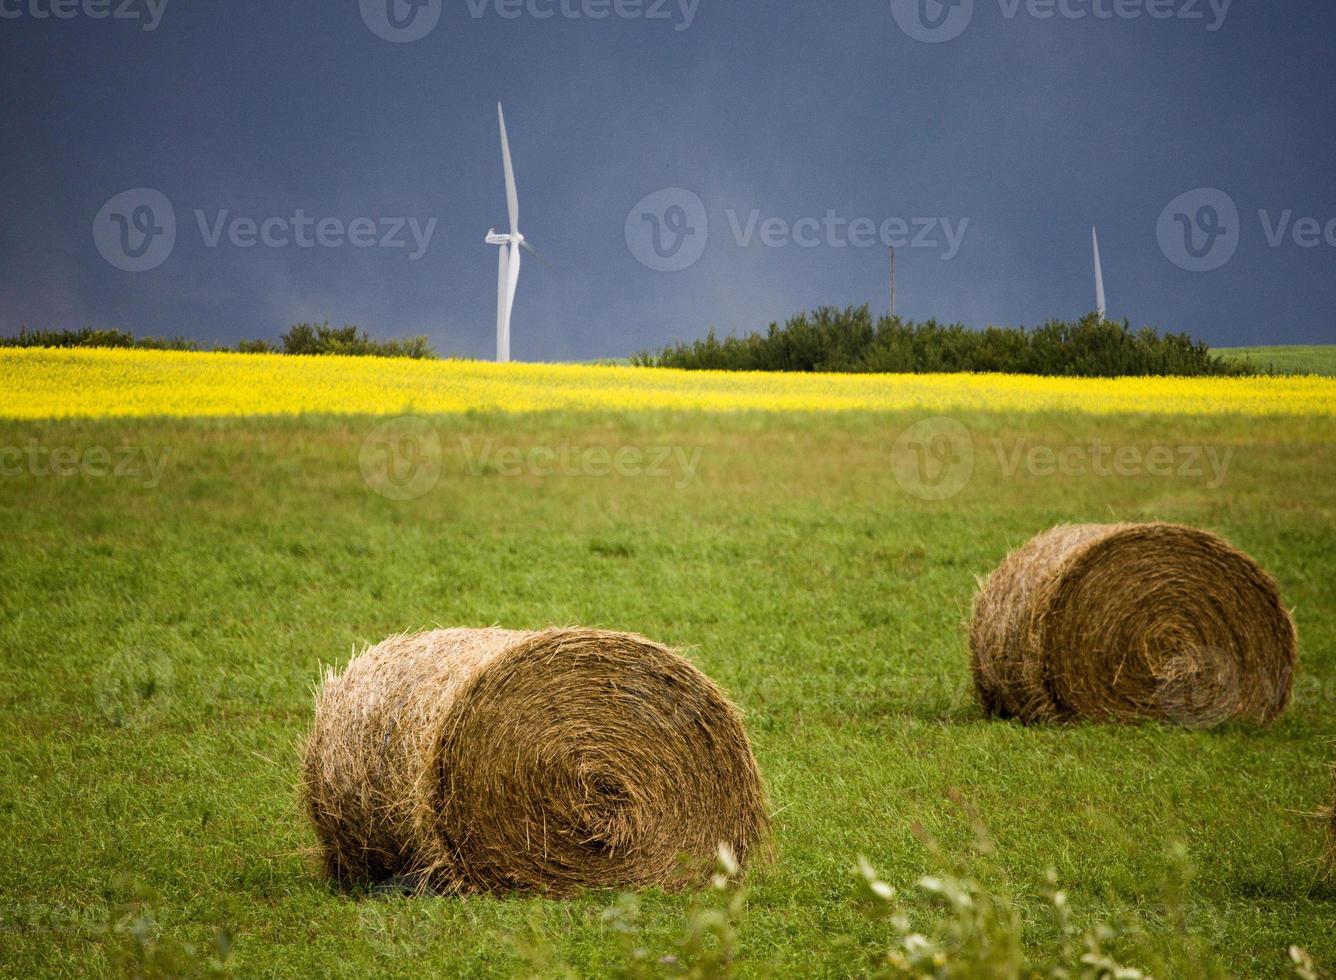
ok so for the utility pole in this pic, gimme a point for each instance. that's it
(892, 280)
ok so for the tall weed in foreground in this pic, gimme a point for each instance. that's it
(708, 943)
(136, 948)
(947, 925)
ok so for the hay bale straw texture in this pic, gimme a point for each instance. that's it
(1132, 622)
(495, 760)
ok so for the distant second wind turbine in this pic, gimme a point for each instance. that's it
(1099, 276)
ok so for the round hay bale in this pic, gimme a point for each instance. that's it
(1132, 622)
(495, 760)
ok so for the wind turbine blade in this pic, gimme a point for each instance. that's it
(536, 254)
(502, 309)
(510, 291)
(512, 197)
(1099, 276)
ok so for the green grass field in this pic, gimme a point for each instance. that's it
(161, 639)
(1311, 359)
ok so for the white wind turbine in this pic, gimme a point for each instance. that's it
(1099, 276)
(508, 275)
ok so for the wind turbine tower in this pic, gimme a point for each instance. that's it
(1099, 276)
(510, 244)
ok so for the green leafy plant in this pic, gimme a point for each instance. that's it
(968, 931)
(307, 338)
(137, 950)
(831, 339)
(300, 338)
(707, 947)
(948, 925)
(88, 337)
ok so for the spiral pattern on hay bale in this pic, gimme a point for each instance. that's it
(496, 760)
(1132, 622)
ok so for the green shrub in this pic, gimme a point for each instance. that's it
(301, 338)
(848, 340)
(256, 347)
(306, 338)
(88, 337)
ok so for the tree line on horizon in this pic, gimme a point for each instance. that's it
(300, 338)
(848, 340)
(828, 339)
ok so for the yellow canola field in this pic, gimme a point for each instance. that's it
(47, 383)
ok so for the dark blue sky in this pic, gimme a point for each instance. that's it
(1016, 135)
